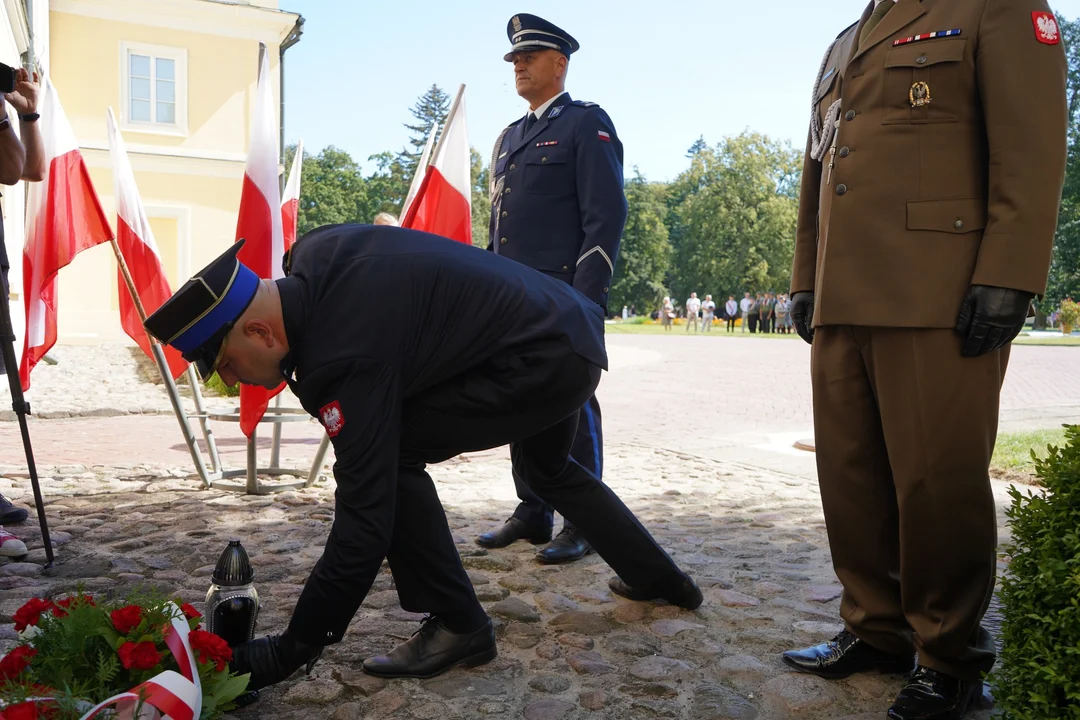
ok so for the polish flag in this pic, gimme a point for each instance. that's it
(140, 253)
(64, 217)
(290, 201)
(443, 204)
(259, 222)
(421, 172)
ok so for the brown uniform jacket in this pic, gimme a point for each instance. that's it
(923, 202)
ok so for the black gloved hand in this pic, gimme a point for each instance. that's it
(802, 315)
(272, 659)
(991, 317)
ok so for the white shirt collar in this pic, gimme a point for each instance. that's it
(539, 112)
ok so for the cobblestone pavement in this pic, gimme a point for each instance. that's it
(696, 446)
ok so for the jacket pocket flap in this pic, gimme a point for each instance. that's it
(826, 84)
(951, 216)
(924, 54)
(547, 156)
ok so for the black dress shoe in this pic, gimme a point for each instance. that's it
(272, 659)
(511, 531)
(684, 592)
(931, 695)
(846, 655)
(432, 650)
(9, 514)
(567, 546)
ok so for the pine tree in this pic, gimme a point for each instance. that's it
(430, 110)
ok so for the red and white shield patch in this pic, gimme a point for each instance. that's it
(1046, 28)
(332, 418)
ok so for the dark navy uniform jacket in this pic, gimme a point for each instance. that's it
(374, 317)
(557, 196)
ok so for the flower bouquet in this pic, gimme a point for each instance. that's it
(145, 660)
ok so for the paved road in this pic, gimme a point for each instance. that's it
(734, 399)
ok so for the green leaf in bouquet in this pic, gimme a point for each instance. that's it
(234, 687)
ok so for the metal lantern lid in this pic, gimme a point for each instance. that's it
(233, 567)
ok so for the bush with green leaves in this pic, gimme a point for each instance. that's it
(1038, 676)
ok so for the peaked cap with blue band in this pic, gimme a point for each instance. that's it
(196, 319)
(529, 32)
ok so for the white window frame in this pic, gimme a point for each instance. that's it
(179, 57)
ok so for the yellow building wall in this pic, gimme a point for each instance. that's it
(192, 194)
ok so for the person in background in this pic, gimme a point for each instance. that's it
(744, 307)
(693, 307)
(731, 312)
(385, 218)
(22, 157)
(708, 313)
(667, 314)
(782, 316)
(754, 314)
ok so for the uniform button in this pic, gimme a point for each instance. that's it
(844, 151)
(506, 191)
(850, 115)
(921, 60)
(513, 166)
(502, 241)
(606, 289)
(959, 224)
(841, 189)
(543, 159)
(504, 213)
(565, 268)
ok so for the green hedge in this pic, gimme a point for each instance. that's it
(1038, 676)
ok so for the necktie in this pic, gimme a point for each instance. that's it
(880, 11)
(530, 120)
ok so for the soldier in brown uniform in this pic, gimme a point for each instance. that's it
(929, 200)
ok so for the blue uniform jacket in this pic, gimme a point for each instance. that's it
(557, 196)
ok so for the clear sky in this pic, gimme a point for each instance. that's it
(667, 71)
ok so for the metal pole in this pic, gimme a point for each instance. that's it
(163, 368)
(204, 419)
(252, 469)
(22, 409)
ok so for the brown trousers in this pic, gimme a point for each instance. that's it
(904, 428)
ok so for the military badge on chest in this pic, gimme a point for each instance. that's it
(919, 95)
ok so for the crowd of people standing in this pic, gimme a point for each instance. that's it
(762, 312)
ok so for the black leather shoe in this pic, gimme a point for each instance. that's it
(685, 593)
(846, 655)
(511, 531)
(567, 546)
(432, 650)
(931, 695)
(9, 514)
(272, 659)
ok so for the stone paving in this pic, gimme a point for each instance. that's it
(701, 458)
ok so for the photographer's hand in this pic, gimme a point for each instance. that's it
(25, 96)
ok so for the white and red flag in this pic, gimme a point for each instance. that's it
(443, 204)
(259, 222)
(64, 217)
(290, 199)
(421, 172)
(136, 242)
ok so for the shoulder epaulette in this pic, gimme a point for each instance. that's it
(584, 103)
(847, 29)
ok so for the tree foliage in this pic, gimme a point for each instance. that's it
(645, 255)
(1064, 278)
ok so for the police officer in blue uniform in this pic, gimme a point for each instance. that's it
(557, 206)
(501, 355)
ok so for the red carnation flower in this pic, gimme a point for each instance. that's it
(22, 711)
(190, 612)
(210, 648)
(61, 607)
(126, 619)
(30, 613)
(139, 656)
(16, 661)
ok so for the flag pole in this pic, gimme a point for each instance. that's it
(163, 368)
(449, 119)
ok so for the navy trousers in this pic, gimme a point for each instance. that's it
(587, 450)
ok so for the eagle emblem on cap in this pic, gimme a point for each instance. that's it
(516, 22)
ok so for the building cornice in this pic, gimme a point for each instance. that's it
(247, 22)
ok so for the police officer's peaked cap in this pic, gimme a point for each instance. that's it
(196, 319)
(528, 32)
